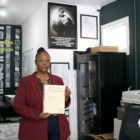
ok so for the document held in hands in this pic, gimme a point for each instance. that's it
(54, 99)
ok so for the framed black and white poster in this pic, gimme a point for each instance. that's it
(62, 26)
(89, 26)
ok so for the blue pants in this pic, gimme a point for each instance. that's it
(53, 128)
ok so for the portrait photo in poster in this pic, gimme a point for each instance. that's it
(62, 26)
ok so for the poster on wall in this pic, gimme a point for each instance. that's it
(10, 58)
(62, 26)
(89, 26)
(27, 63)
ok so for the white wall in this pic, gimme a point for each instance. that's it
(35, 30)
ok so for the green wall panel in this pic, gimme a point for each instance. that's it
(138, 40)
(117, 10)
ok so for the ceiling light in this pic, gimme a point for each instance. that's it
(2, 13)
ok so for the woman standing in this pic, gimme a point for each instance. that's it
(28, 102)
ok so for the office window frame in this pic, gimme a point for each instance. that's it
(105, 28)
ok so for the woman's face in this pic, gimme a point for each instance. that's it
(43, 62)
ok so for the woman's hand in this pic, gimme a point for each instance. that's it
(67, 94)
(44, 115)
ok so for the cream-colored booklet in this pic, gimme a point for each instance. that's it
(54, 99)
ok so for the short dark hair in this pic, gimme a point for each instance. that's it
(62, 10)
(40, 50)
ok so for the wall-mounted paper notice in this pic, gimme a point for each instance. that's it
(54, 99)
(27, 63)
(72, 80)
(61, 70)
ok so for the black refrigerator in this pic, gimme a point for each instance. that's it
(101, 78)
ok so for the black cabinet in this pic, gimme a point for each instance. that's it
(101, 78)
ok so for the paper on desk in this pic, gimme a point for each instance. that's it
(54, 99)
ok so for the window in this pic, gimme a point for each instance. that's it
(116, 33)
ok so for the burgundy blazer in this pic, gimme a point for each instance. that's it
(28, 103)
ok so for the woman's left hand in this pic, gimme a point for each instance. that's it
(67, 94)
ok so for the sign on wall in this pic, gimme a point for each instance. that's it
(10, 58)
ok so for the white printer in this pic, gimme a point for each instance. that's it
(131, 96)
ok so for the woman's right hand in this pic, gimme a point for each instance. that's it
(44, 115)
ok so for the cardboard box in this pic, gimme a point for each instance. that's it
(104, 49)
(109, 136)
